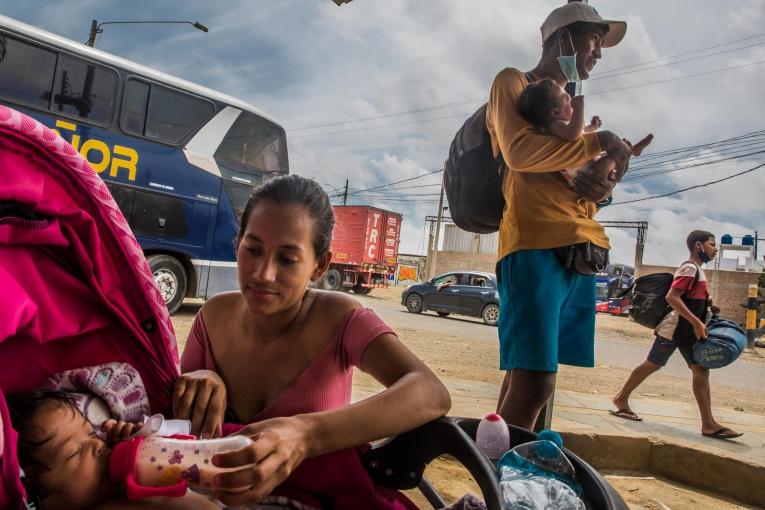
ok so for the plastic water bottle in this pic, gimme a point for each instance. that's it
(493, 436)
(538, 476)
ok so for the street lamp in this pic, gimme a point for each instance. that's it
(95, 27)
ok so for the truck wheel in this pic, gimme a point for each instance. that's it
(170, 278)
(490, 314)
(358, 289)
(333, 280)
(414, 303)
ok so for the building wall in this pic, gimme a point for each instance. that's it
(460, 261)
(410, 269)
(728, 288)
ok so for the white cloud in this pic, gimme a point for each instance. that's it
(310, 62)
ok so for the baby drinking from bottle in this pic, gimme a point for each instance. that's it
(66, 464)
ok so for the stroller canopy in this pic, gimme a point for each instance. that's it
(76, 288)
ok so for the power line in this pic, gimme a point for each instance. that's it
(467, 114)
(636, 177)
(397, 182)
(705, 73)
(598, 77)
(690, 187)
(683, 54)
(387, 115)
(420, 121)
(734, 141)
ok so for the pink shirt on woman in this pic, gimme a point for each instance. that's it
(324, 385)
(327, 381)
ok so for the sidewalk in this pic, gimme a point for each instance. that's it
(673, 422)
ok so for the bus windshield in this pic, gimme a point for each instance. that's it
(253, 145)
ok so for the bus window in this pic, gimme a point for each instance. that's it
(26, 73)
(253, 143)
(173, 115)
(84, 90)
(134, 103)
(238, 195)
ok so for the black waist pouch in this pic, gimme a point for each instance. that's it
(583, 258)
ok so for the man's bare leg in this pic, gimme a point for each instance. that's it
(528, 393)
(503, 390)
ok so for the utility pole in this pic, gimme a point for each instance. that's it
(345, 193)
(756, 241)
(93, 31)
(438, 230)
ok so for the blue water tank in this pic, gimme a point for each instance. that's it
(747, 240)
(726, 239)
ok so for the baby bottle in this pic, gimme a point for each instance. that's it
(165, 466)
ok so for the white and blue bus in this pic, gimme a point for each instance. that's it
(180, 159)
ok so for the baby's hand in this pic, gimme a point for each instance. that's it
(577, 103)
(595, 122)
(117, 431)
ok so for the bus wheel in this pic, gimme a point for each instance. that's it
(358, 289)
(333, 280)
(170, 278)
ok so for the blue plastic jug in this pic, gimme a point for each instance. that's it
(724, 343)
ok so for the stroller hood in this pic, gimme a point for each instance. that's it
(77, 290)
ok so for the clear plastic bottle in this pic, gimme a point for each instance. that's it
(538, 476)
(493, 436)
(162, 466)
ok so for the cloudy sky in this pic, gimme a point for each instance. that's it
(388, 83)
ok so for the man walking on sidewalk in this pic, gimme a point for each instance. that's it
(680, 329)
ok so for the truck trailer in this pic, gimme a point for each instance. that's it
(364, 249)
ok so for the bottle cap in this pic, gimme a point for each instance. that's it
(122, 459)
(493, 417)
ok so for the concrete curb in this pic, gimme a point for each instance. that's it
(742, 481)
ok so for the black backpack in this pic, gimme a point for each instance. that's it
(473, 178)
(649, 298)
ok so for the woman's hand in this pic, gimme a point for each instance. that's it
(200, 396)
(117, 431)
(279, 446)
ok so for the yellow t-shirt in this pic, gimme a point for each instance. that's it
(541, 210)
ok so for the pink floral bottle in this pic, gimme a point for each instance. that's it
(165, 466)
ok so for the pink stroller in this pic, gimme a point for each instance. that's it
(77, 291)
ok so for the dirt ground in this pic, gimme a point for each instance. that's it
(451, 358)
(473, 363)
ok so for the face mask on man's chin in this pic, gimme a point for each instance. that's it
(567, 65)
(703, 255)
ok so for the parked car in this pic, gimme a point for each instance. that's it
(469, 293)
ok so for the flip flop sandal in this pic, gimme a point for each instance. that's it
(723, 433)
(627, 415)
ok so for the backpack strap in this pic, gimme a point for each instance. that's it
(529, 78)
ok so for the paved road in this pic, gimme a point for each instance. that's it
(608, 351)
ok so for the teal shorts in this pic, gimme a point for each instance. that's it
(547, 313)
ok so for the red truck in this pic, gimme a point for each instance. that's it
(364, 248)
